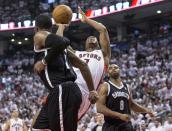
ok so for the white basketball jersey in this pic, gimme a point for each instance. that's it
(95, 61)
(16, 124)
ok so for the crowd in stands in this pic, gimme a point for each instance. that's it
(19, 87)
(16, 10)
(20, 10)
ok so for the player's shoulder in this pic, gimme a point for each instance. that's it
(104, 86)
(98, 51)
(41, 35)
(127, 86)
(77, 51)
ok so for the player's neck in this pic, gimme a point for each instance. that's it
(92, 49)
(117, 81)
(89, 49)
(45, 30)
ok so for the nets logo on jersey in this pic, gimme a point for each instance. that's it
(120, 94)
(91, 55)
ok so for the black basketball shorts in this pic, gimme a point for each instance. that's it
(127, 126)
(60, 113)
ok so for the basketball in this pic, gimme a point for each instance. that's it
(62, 14)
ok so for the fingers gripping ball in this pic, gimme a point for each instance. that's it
(62, 14)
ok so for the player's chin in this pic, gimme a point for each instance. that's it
(92, 45)
(115, 75)
(93, 101)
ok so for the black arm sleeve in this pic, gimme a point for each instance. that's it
(57, 45)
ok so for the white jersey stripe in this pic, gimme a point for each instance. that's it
(46, 74)
(66, 62)
(40, 50)
(108, 88)
(61, 108)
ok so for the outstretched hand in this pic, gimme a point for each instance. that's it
(93, 97)
(84, 17)
(125, 117)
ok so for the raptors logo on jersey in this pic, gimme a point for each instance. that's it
(16, 124)
(95, 61)
(88, 55)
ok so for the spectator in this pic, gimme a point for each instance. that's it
(157, 126)
(168, 123)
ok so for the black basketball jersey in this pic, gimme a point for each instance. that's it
(117, 100)
(57, 71)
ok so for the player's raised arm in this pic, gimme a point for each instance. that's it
(103, 37)
(60, 31)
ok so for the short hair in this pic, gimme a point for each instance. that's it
(43, 21)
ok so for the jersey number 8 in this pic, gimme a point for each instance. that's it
(121, 105)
